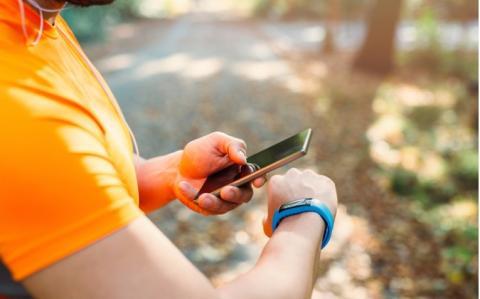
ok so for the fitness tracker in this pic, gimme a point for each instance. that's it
(302, 206)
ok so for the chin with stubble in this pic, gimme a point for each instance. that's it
(89, 2)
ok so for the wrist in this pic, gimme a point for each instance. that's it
(156, 179)
(308, 223)
(172, 172)
(306, 205)
(305, 230)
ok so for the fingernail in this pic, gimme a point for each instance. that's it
(242, 154)
(184, 186)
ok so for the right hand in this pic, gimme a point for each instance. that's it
(298, 184)
(203, 157)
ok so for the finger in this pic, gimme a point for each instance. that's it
(214, 204)
(237, 195)
(187, 190)
(237, 151)
(259, 182)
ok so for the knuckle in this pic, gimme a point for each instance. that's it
(216, 134)
(190, 145)
(328, 181)
(237, 145)
(293, 171)
(276, 179)
(235, 142)
(242, 143)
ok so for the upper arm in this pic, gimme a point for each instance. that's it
(59, 188)
(137, 261)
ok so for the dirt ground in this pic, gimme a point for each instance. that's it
(180, 79)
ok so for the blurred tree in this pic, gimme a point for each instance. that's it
(354, 9)
(377, 52)
(449, 10)
(473, 90)
(333, 17)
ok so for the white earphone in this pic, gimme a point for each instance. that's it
(41, 10)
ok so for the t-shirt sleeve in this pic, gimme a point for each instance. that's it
(59, 188)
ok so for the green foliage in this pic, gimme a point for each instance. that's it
(289, 8)
(455, 226)
(262, 7)
(438, 130)
(425, 117)
(465, 169)
(427, 192)
(432, 161)
(457, 259)
(461, 64)
(87, 23)
(438, 191)
(456, 10)
(438, 62)
(428, 54)
(90, 23)
(427, 26)
(404, 182)
(309, 8)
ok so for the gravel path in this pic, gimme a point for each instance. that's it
(202, 75)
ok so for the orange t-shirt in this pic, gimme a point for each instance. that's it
(67, 176)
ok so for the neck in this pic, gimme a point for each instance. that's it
(48, 4)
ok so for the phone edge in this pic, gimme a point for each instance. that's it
(263, 171)
(271, 167)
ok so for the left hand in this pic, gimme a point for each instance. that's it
(203, 157)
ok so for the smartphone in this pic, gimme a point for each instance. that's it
(259, 164)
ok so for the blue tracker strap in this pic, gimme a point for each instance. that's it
(314, 206)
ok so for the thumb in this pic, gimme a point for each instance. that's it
(236, 151)
(186, 190)
(186, 193)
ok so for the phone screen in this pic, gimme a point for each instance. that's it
(260, 163)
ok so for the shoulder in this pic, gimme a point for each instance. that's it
(61, 190)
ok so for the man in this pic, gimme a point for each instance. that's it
(73, 195)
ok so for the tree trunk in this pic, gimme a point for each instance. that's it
(331, 25)
(377, 52)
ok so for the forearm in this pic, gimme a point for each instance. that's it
(159, 270)
(287, 266)
(155, 179)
